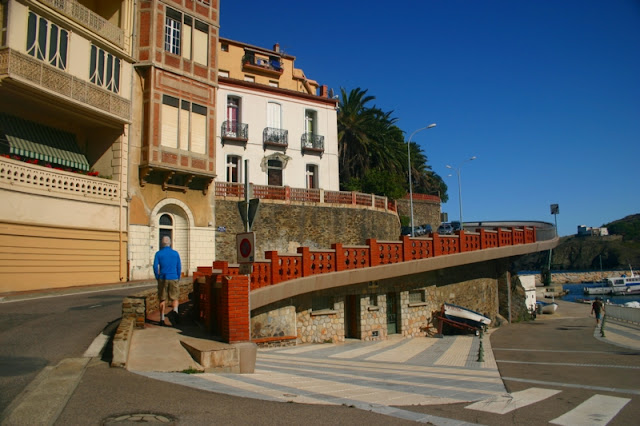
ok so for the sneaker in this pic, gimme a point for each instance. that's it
(174, 318)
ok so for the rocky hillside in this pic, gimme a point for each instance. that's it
(582, 253)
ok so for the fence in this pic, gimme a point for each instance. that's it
(302, 195)
(623, 313)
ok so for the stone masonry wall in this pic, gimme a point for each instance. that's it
(285, 227)
(423, 212)
(474, 287)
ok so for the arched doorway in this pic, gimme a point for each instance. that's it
(171, 220)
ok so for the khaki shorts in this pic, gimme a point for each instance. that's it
(168, 286)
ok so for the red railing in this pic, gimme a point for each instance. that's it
(302, 195)
(306, 262)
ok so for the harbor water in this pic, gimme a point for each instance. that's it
(576, 294)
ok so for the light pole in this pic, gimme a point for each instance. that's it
(457, 170)
(409, 167)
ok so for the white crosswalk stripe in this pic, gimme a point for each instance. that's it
(408, 350)
(503, 404)
(597, 410)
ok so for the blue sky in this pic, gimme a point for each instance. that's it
(545, 93)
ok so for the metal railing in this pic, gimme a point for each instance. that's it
(312, 142)
(272, 136)
(235, 130)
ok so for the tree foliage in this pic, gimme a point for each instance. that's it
(373, 153)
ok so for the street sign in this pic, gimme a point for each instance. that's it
(555, 209)
(248, 214)
(245, 244)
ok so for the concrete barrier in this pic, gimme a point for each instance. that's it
(623, 313)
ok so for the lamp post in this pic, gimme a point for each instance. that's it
(409, 168)
(457, 170)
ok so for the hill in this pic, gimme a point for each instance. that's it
(618, 250)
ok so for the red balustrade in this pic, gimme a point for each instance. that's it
(307, 262)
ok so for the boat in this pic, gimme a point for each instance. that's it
(466, 316)
(547, 308)
(618, 286)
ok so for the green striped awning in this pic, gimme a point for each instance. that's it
(33, 140)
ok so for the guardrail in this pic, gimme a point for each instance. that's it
(623, 313)
(287, 194)
(278, 267)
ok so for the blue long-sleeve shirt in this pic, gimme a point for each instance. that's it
(166, 264)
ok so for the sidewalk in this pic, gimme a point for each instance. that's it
(397, 371)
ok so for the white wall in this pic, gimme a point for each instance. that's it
(254, 113)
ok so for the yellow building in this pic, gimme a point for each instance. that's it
(65, 112)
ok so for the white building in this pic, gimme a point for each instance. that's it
(270, 114)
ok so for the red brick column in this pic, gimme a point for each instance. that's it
(483, 238)
(223, 265)
(275, 265)
(374, 252)
(306, 261)
(406, 248)
(462, 241)
(437, 245)
(234, 307)
(339, 257)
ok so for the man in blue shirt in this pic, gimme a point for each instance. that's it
(167, 269)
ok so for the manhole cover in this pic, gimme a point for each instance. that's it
(124, 419)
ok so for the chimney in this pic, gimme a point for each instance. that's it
(324, 91)
(276, 47)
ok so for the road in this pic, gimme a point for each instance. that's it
(554, 369)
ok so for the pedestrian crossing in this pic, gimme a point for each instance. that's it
(398, 372)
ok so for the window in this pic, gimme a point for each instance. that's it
(184, 125)
(233, 117)
(274, 172)
(310, 122)
(172, 31)
(273, 83)
(321, 303)
(416, 296)
(222, 73)
(186, 36)
(224, 47)
(250, 78)
(47, 41)
(105, 69)
(233, 168)
(312, 176)
(166, 228)
(274, 115)
(373, 300)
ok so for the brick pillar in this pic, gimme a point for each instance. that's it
(406, 248)
(374, 252)
(306, 261)
(222, 265)
(462, 241)
(437, 245)
(275, 265)
(339, 257)
(483, 238)
(234, 307)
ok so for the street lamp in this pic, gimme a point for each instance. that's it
(457, 170)
(409, 167)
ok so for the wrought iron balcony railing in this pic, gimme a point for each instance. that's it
(312, 143)
(275, 137)
(272, 65)
(235, 130)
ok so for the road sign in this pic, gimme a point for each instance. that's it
(555, 209)
(248, 213)
(245, 243)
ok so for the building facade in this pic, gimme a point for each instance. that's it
(275, 124)
(65, 113)
(173, 146)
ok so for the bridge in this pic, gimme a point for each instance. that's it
(366, 292)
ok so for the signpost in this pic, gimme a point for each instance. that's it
(245, 244)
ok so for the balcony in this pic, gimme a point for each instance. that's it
(270, 66)
(27, 70)
(312, 143)
(20, 176)
(234, 131)
(278, 138)
(89, 19)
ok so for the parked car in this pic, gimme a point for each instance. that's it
(456, 225)
(426, 229)
(445, 228)
(417, 231)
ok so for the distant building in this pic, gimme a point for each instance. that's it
(585, 231)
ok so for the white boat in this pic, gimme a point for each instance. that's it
(618, 286)
(467, 316)
(547, 308)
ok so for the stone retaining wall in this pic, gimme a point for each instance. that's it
(581, 277)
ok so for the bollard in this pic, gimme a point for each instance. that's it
(602, 326)
(480, 349)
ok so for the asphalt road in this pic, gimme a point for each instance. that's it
(557, 356)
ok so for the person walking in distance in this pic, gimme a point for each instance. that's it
(167, 269)
(597, 307)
